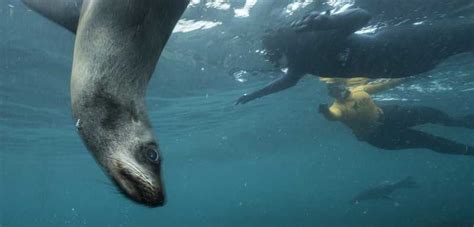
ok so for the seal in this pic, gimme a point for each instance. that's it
(384, 190)
(117, 46)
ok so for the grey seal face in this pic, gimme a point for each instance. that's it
(117, 46)
(119, 135)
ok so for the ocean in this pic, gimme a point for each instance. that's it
(271, 162)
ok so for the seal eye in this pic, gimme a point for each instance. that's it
(152, 155)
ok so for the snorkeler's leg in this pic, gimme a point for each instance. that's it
(420, 48)
(409, 116)
(347, 21)
(290, 79)
(404, 51)
(412, 139)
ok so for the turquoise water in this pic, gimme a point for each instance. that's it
(272, 162)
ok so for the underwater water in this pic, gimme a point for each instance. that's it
(272, 162)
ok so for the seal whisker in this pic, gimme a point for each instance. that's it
(133, 168)
(111, 187)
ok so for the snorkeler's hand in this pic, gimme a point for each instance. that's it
(244, 99)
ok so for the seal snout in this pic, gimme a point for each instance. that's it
(140, 189)
(158, 201)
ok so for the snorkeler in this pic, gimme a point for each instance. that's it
(325, 44)
(390, 126)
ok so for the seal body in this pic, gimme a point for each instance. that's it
(384, 190)
(117, 46)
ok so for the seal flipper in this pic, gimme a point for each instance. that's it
(63, 12)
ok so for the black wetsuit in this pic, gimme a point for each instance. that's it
(329, 47)
(395, 131)
(398, 52)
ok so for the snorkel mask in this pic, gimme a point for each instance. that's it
(338, 91)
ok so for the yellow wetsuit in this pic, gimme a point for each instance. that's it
(392, 130)
(358, 111)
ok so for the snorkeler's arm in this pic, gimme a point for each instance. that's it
(288, 80)
(347, 21)
(380, 86)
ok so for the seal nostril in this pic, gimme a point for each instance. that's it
(140, 191)
(157, 200)
(161, 199)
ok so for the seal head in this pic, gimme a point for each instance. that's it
(116, 49)
(121, 139)
(117, 46)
